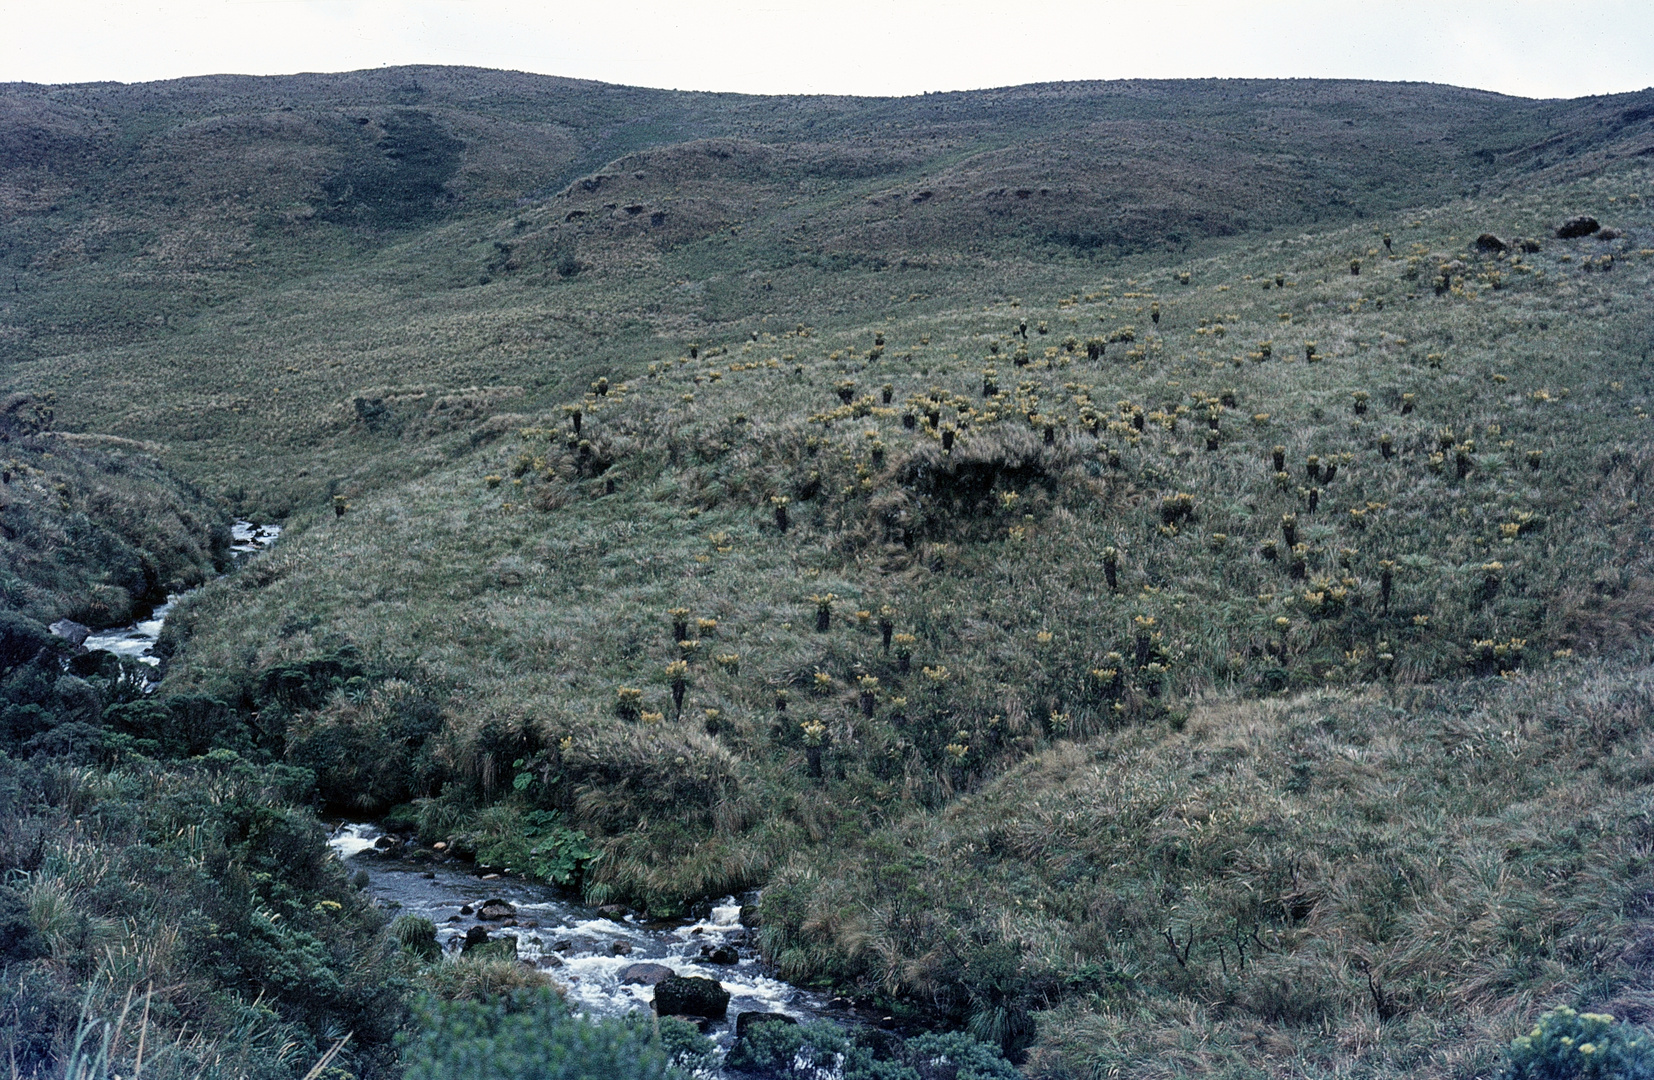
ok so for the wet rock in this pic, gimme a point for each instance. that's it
(745, 1022)
(691, 996)
(467, 910)
(384, 843)
(616, 912)
(724, 955)
(1489, 243)
(456, 918)
(1583, 225)
(564, 946)
(503, 947)
(643, 974)
(621, 948)
(550, 960)
(72, 632)
(92, 663)
(702, 1023)
(494, 910)
(840, 1004)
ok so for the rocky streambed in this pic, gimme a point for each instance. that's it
(607, 962)
(137, 641)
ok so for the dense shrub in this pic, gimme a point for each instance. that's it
(530, 1036)
(99, 534)
(821, 1050)
(203, 882)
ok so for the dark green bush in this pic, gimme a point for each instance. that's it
(531, 1036)
(810, 1051)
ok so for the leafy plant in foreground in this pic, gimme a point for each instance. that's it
(1566, 1044)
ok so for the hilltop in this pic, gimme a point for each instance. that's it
(1152, 574)
(226, 264)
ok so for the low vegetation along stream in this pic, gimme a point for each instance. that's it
(607, 963)
(136, 641)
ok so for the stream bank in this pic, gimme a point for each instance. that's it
(597, 957)
(136, 641)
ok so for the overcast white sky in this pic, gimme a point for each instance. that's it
(1534, 48)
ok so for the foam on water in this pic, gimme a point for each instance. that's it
(137, 641)
(586, 965)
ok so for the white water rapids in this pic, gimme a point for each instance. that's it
(576, 945)
(137, 641)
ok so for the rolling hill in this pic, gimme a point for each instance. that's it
(1154, 575)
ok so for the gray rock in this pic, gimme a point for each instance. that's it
(495, 910)
(72, 632)
(643, 974)
(724, 955)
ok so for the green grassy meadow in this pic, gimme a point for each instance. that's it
(1184, 618)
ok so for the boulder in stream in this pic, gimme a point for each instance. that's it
(643, 974)
(679, 995)
(72, 632)
(495, 910)
(724, 955)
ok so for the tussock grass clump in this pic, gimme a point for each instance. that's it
(1254, 880)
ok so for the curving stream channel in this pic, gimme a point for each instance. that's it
(137, 641)
(583, 950)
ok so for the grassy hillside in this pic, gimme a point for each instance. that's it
(225, 265)
(1481, 450)
(1167, 600)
